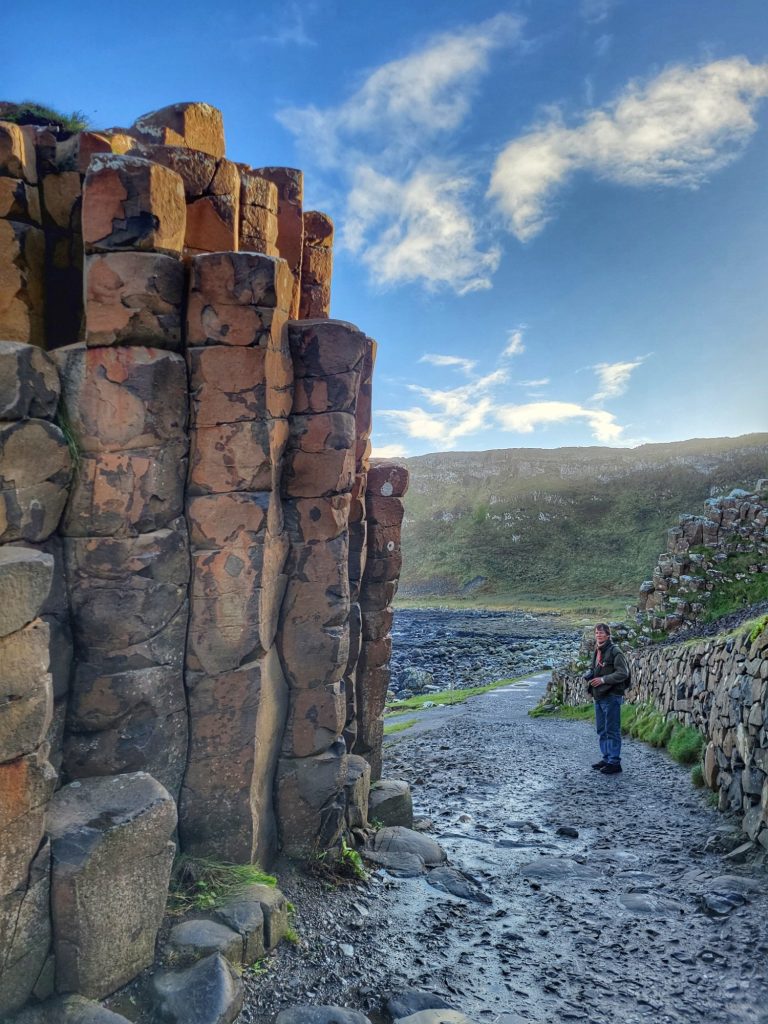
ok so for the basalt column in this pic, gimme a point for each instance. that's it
(329, 359)
(358, 548)
(34, 474)
(241, 386)
(125, 537)
(22, 243)
(387, 483)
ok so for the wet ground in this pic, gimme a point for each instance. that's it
(636, 918)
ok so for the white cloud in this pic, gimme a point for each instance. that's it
(457, 412)
(613, 378)
(418, 229)
(677, 129)
(524, 419)
(514, 346)
(406, 101)
(533, 383)
(595, 11)
(466, 365)
(409, 213)
(389, 451)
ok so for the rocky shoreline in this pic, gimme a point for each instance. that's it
(437, 649)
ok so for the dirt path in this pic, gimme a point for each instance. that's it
(609, 926)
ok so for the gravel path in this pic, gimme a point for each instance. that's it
(610, 925)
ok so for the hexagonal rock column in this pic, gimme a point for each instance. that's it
(328, 358)
(241, 382)
(358, 538)
(22, 243)
(26, 777)
(35, 651)
(387, 483)
(112, 854)
(258, 213)
(290, 222)
(316, 266)
(127, 560)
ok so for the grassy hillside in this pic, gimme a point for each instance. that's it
(560, 523)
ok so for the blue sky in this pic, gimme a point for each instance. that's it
(551, 214)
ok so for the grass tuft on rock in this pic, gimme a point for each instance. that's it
(198, 883)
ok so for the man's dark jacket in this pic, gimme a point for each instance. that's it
(612, 677)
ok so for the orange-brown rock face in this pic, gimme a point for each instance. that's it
(127, 559)
(17, 152)
(133, 298)
(22, 252)
(290, 222)
(195, 125)
(258, 213)
(387, 482)
(130, 203)
(328, 359)
(241, 384)
(316, 266)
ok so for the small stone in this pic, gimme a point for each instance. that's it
(568, 831)
(69, 1010)
(408, 1001)
(320, 1015)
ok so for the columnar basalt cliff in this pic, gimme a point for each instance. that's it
(198, 560)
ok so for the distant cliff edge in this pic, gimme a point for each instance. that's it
(556, 522)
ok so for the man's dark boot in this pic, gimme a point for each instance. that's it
(599, 764)
(611, 769)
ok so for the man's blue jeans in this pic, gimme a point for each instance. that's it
(608, 724)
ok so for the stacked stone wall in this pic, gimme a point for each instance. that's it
(696, 561)
(195, 582)
(719, 686)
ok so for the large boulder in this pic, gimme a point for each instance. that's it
(112, 855)
(390, 803)
(69, 1010)
(210, 992)
(320, 1015)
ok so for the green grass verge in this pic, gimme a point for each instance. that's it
(77, 121)
(733, 595)
(579, 712)
(399, 726)
(643, 722)
(447, 696)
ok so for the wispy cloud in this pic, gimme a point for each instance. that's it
(524, 419)
(289, 30)
(417, 230)
(595, 11)
(409, 212)
(467, 365)
(405, 102)
(675, 130)
(613, 378)
(389, 451)
(445, 416)
(454, 413)
(514, 346)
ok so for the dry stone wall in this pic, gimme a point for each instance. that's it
(718, 685)
(698, 554)
(197, 558)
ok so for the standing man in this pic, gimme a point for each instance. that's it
(607, 680)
